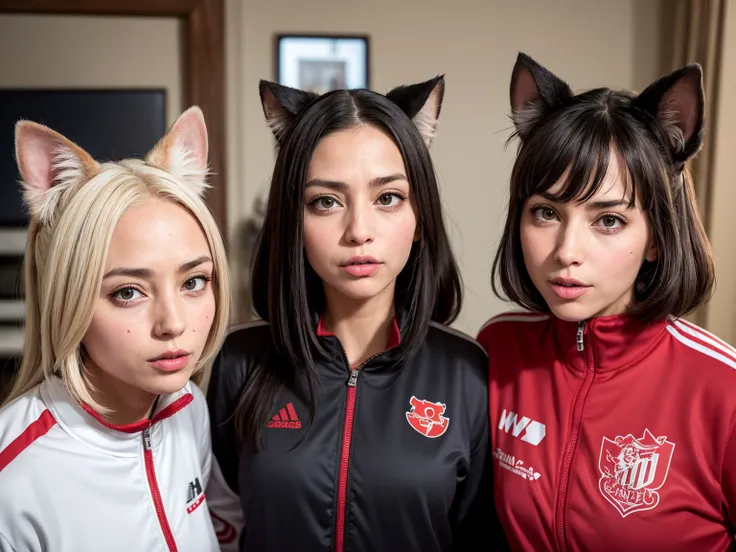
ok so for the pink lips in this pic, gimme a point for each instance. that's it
(170, 361)
(568, 288)
(361, 266)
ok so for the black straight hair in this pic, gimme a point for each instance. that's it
(286, 291)
(572, 138)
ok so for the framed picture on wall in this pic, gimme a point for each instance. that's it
(322, 62)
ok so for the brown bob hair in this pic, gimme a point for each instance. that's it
(653, 135)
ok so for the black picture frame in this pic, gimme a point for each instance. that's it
(303, 61)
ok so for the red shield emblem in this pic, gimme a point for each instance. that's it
(427, 417)
(633, 470)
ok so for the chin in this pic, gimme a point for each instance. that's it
(165, 384)
(571, 311)
(362, 290)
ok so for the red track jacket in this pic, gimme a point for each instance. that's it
(612, 435)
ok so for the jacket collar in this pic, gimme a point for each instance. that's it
(609, 342)
(339, 360)
(87, 426)
(394, 339)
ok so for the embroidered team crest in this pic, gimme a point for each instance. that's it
(633, 470)
(427, 417)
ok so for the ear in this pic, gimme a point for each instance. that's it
(281, 105)
(677, 102)
(422, 103)
(49, 164)
(183, 150)
(651, 254)
(535, 92)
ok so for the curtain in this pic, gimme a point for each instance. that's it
(693, 32)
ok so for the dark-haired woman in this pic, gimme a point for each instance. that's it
(622, 413)
(350, 417)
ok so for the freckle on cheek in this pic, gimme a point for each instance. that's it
(128, 331)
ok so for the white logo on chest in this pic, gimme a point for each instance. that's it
(516, 466)
(633, 470)
(534, 431)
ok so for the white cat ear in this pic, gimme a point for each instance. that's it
(183, 150)
(49, 164)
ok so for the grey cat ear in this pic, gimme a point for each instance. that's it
(535, 91)
(422, 103)
(677, 102)
(49, 165)
(282, 104)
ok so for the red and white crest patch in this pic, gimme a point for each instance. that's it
(633, 470)
(427, 417)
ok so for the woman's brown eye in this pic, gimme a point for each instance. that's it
(127, 294)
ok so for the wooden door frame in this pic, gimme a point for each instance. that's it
(203, 63)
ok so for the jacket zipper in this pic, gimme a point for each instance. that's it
(342, 478)
(574, 435)
(347, 434)
(155, 492)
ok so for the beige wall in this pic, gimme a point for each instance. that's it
(721, 313)
(96, 52)
(474, 42)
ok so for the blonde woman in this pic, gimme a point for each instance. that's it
(104, 440)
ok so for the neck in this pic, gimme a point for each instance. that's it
(363, 327)
(126, 404)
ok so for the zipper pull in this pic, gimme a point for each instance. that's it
(580, 342)
(147, 438)
(353, 378)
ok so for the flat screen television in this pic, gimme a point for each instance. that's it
(110, 124)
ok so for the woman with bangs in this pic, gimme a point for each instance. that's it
(620, 412)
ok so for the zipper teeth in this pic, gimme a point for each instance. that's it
(344, 464)
(572, 446)
(155, 492)
(347, 435)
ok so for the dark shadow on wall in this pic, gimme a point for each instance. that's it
(245, 242)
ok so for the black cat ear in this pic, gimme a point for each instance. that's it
(422, 103)
(677, 102)
(535, 91)
(281, 105)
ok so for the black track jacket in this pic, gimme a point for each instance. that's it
(397, 458)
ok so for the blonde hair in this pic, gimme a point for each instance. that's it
(72, 222)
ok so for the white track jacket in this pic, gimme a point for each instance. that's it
(71, 482)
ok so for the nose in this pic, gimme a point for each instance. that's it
(569, 250)
(360, 225)
(169, 319)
